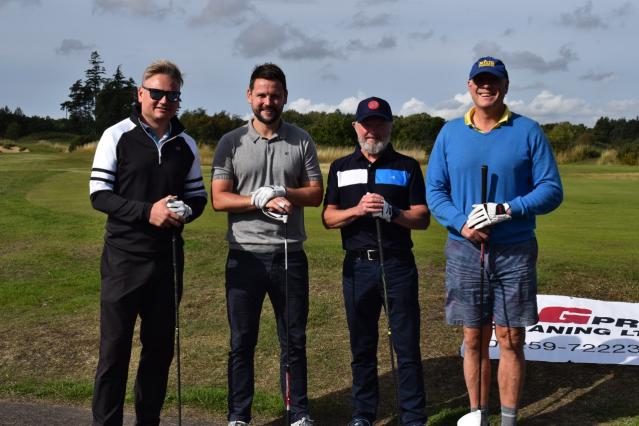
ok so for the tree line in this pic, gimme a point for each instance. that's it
(98, 102)
(333, 129)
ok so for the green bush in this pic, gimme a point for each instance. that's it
(81, 140)
(39, 136)
(629, 154)
(13, 132)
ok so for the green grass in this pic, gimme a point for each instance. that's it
(49, 303)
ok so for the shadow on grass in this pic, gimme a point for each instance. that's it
(554, 394)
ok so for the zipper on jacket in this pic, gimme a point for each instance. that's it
(157, 144)
(160, 148)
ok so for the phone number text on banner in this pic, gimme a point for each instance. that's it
(571, 329)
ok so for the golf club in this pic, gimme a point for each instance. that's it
(284, 218)
(390, 338)
(474, 418)
(177, 325)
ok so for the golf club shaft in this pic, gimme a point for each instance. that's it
(390, 338)
(484, 184)
(288, 363)
(177, 324)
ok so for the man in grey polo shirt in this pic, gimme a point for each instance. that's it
(266, 164)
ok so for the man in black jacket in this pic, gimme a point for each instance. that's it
(140, 164)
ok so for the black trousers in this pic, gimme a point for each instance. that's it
(135, 285)
(249, 278)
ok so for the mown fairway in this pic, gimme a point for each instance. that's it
(49, 300)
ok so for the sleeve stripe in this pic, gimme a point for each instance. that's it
(95, 169)
(199, 188)
(193, 180)
(102, 180)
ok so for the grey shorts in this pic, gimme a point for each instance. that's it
(510, 283)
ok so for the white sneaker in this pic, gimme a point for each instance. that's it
(304, 421)
(237, 423)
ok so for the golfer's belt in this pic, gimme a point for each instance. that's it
(374, 254)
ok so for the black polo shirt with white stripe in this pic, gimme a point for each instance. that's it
(396, 177)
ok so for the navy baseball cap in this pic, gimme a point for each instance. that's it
(373, 106)
(489, 64)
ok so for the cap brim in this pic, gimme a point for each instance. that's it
(489, 71)
(365, 115)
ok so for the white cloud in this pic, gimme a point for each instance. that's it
(448, 110)
(348, 105)
(625, 108)
(546, 107)
(413, 106)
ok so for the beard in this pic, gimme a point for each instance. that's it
(258, 115)
(373, 149)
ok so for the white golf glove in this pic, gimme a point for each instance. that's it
(386, 213)
(265, 194)
(487, 214)
(178, 207)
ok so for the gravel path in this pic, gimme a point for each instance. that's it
(29, 414)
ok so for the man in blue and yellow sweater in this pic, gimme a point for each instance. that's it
(523, 182)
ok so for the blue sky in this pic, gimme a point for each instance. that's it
(568, 61)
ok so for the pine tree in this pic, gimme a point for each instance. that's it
(79, 108)
(94, 77)
(115, 101)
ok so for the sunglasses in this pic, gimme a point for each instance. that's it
(157, 94)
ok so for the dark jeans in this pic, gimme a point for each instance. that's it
(133, 285)
(249, 278)
(364, 298)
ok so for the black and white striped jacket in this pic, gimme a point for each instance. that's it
(131, 172)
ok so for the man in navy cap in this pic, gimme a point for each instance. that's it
(523, 182)
(376, 182)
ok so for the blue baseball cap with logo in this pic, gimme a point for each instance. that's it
(490, 65)
(373, 106)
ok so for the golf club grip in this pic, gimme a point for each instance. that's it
(484, 183)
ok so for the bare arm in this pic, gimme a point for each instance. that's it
(416, 217)
(308, 195)
(223, 198)
(333, 217)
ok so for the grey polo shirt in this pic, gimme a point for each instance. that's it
(252, 161)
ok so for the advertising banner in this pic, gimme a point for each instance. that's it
(572, 329)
